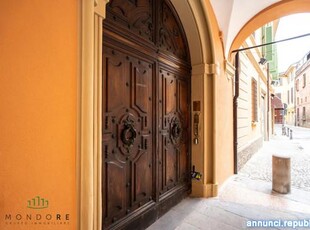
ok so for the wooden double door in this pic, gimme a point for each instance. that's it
(146, 113)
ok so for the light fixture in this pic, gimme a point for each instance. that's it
(262, 61)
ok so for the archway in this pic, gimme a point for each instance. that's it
(278, 10)
(146, 85)
(89, 156)
(269, 14)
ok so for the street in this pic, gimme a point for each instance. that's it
(259, 166)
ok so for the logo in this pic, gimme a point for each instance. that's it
(38, 213)
(37, 203)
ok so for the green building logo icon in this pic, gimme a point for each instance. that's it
(37, 203)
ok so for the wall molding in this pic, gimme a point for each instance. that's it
(89, 132)
(230, 70)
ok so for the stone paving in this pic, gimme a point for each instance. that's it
(248, 195)
(259, 166)
(241, 199)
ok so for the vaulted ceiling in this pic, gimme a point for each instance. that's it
(232, 15)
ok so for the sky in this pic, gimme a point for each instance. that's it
(292, 51)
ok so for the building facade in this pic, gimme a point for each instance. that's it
(303, 92)
(254, 117)
(285, 90)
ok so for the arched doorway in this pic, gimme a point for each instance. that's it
(90, 153)
(146, 147)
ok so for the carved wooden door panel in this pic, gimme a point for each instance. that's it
(127, 134)
(145, 113)
(174, 130)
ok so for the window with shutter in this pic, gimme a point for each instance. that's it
(297, 85)
(288, 97)
(292, 95)
(269, 38)
(303, 113)
(297, 114)
(254, 100)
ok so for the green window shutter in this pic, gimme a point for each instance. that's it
(269, 38)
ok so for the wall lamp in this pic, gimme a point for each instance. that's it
(262, 61)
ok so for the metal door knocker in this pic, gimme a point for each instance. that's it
(176, 131)
(128, 134)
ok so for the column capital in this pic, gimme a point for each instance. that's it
(205, 68)
(100, 6)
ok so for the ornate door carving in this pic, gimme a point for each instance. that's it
(173, 130)
(146, 113)
(127, 134)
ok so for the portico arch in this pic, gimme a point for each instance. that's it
(273, 12)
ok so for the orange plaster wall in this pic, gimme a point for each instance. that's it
(224, 124)
(38, 102)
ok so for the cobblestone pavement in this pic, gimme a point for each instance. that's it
(259, 166)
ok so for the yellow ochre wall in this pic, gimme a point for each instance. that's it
(38, 117)
(223, 99)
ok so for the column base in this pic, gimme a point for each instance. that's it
(204, 190)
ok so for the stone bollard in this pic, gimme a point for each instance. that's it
(288, 132)
(283, 131)
(291, 134)
(281, 174)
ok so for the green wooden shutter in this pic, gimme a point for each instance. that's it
(269, 39)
